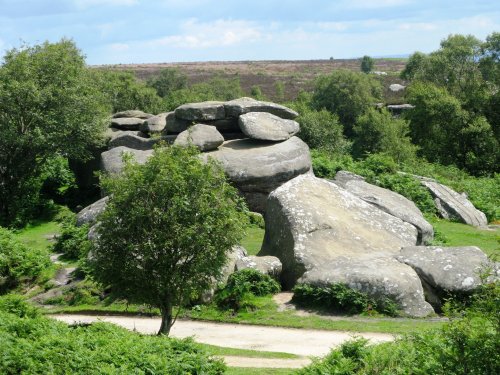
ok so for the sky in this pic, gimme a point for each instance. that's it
(157, 31)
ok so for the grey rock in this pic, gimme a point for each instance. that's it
(112, 160)
(256, 168)
(396, 87)
(174, 125)
(267, 127)
(446, 269)
(93, 235)
(132, 113)
(323, 234)
(226, 125)
(126, 123)
(237, 252)
(133, 141)
(268, 265)
(154, 124)
(388, 201)
(452, 205)
(112, 133)
(89, 214)
(237, 107)
(398, 109)
(201, 111)
(205, 137)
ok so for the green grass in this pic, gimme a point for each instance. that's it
(222, 351)
(457, 234)
(253, 240)
(34, 235)
(258, 371)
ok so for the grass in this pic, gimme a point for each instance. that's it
(457, 234)
(258, 371)
(253, 240)
(35, 235)
(222, 351)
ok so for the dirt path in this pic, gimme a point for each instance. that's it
(302, 342)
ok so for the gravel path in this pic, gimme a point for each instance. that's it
(302, 342)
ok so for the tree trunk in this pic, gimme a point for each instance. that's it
(167, 320)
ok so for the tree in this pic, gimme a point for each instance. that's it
(378, 132)
(346, 94)
(367, 64)
(49, 106)
(167, 229)
(167, 81)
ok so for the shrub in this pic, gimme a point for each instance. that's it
(17, 305)
(72, 241)
(341, 298)
(19, 263)
(242, 285)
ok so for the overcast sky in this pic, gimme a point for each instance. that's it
(140, 31)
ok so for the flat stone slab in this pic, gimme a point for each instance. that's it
(132, 113)
(204, 137)
(127, 123)
(267, 127)
(112, 160)
(154, 124)
(238, 107)
(452, 205)
(210, 110)
(133, 141)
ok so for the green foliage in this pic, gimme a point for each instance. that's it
(17, 305)
(378, 132)
(202, 217)
(326, 165)
(123, 91)
(256, 93)
(49, 105)
(18, 263)
(367, 64)
(341, 298)
(41, 346)
(168, 80)
(467, 345)
(347, 94)
(321, 130)
(279, 88)
(243, 285)
(72, 241)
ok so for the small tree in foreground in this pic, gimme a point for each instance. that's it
(167, 229)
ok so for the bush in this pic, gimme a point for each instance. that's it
(241, 286)
(17, 305)
(72, 242)
(19, 263)
(341, 298)
(42, 346)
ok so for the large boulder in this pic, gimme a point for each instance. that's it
(127, 123)
(237, 107)
(388, 201)
(174, 125)
(446, 269)
(112, 160)
(154, 124)
(132, 141)
(323, 234)
(256, 168)
(205, 137)
(201, 111)
(267, 127)
(452, 205)
(89, 214)
(132, 113)
(268, 265)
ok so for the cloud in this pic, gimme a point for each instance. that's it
(219, 33)
(375, 4)
(83, 4)
(119, 47)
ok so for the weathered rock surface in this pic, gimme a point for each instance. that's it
(447, 269)
(323, 234)
(268, 265)
(237, 253)
(205, 137)
(396, 87)
(201, 111)
(126, 123)
(452, 205)
(112, 160)
(237, 107)
(174, 125)
(257, 168)
(132, 113)
(388, 201)
(89, 214)
(267, 127)
(133, 141)
(154, 124)
(398, 109)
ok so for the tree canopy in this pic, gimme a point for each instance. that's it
(367, 64)
(167, 229)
